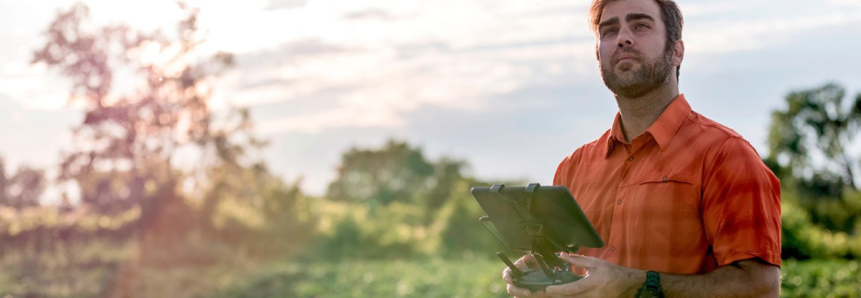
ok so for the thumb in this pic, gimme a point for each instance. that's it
(581, 261)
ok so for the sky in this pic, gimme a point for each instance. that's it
(511, 86)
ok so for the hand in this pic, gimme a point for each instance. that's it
(527, 261)
(604, 279)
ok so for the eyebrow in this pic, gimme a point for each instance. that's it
(611, 22)
(628, 18)
(638, 16)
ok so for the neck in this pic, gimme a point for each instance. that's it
(638, 113)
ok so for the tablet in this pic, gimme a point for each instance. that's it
(520, 213)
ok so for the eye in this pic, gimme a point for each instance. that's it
(608, 32)
(641, 25)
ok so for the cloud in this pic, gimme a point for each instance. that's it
(449, 54)
(286, 4)
(384, 89)
(457, 55)
(370, 14)
(727, 36)
(289, 52)
(844, 3)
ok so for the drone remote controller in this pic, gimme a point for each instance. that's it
(542, 221)
(539, 279)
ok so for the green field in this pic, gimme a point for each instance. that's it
(480, 278)
(92, 275)
(427, 278)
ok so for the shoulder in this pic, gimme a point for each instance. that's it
(591, 150)
(726, 149)
(715, 136)
(709, 126)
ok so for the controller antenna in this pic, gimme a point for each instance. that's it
(515, 272)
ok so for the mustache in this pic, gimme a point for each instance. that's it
(625, 50)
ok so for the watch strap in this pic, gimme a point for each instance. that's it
(652, 286)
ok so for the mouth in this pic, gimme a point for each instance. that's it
(625, 59)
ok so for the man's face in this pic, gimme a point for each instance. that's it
(631, 48)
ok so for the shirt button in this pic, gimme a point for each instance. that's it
(665, 178)
(619, 202)
(612, 248)
(631, 158)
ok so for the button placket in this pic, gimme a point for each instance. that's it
(617, 209)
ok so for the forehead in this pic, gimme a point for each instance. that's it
(619, 9)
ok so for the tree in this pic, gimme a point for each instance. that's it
(23, 189)
(126, 142)
(817, 122)
(128, 147)
(809, 141)
(395, 172)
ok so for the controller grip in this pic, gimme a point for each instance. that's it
(535, 280)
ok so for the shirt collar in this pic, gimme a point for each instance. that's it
(664, 128)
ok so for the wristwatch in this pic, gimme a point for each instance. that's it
(652, 287)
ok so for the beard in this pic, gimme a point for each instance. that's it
(650, 76)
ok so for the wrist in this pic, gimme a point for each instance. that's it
(633, 282)
(652, 287)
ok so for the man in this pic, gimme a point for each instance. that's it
(685, 205)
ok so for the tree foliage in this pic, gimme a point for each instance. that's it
(127, 142)
(809, 141)
(815, 122)
(23, 189)
(397, 172)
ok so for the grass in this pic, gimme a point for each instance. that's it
(68, 271)
(90, 271)
(821, 278)
(425, 278)
(480, 278)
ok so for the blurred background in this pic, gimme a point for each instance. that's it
(303, 148)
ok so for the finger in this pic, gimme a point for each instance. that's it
(506, 275)
(518, 292)
(582, 261)
(521, 263)
(530, 260)
(572, 288)
(566, 290)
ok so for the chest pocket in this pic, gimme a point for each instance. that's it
(664, 178)
(672, 194)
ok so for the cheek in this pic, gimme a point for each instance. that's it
(605, 53)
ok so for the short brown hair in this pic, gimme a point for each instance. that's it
(671, 15)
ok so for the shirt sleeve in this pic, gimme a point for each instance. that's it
(741, 205)
(562, 176)
(557, 178)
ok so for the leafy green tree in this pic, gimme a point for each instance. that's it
(395, 203)
(461, 233)
(817, 122)
(395, 172)
(809, 141)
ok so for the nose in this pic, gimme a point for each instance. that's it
(624, 39)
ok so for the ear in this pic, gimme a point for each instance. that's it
(678, 52)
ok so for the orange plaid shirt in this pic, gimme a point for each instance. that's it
(685, 197)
